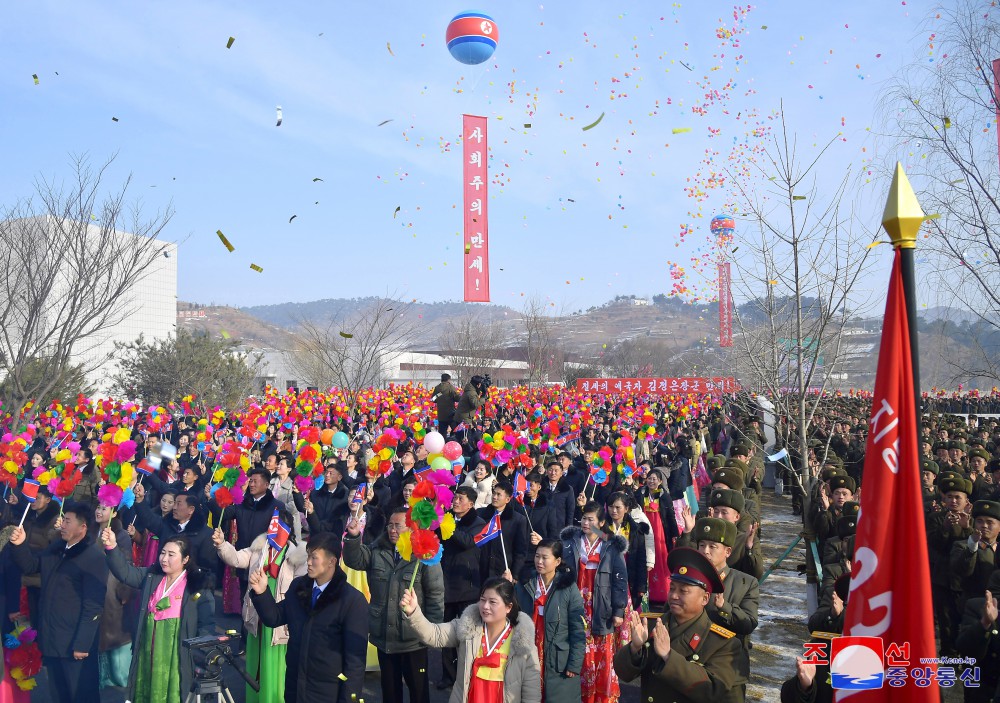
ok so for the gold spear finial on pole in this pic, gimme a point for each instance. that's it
(902, 216)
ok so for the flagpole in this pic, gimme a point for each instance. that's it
(901, 219)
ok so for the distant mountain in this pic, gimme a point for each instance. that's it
(290, 314)
(951, 314)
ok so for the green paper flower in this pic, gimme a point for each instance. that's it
(423, 514)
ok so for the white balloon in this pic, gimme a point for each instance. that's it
(434, 442)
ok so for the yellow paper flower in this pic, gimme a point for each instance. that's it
(447, 526)
(128, 473)
(63, 455)
(45, 477)
(403, 546)
(245, 462)
(219, 473)
(122, 435)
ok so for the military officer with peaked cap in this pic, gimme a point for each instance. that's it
(685, 657)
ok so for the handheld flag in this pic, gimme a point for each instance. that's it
(144, 467)
(30, 490)
(520, 486)
(359, 494)
(277, 532)
(489, 532)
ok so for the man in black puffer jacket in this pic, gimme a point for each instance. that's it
(74, 581)
(327, 622)
(561, 499)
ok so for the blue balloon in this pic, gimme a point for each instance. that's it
(340, 440)
(471, 37)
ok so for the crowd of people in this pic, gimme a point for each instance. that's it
(557, 578)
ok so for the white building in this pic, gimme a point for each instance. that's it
(151, 310)
(60, 297)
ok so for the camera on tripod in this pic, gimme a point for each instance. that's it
(209, 653)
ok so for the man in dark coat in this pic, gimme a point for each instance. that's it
(401, 654)
(460, 562)
(327, 622)
(253, 515)
(74, 582)
(187, 518)
(446, 396)
(688, 657)
(513, 542)
(328, 509)
(40, 525)
(561, 498)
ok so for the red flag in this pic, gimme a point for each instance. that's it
(890, 596)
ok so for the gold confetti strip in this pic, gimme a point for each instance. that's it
(225, 241)
(256, 268)
(935, 216)
(387, 46)
(229, 44)
(35, 76)
(346, 335)
(798, 197)
(396, 211)
(680, 130)
(225, 335)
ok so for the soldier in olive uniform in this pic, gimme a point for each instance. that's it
(981, 487)
(736, 607)
(746, 557)
(974, 560)
(944, 528)
(979, 637)
(929, 471)
(686, 657)
(826, 512)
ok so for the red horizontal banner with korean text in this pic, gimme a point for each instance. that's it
(657, 385)
(725, 306)
(476, 261)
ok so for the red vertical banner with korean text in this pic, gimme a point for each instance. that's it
(725, 306)
(476, 261)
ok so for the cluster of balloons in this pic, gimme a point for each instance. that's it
(442, 456)
(338, 440)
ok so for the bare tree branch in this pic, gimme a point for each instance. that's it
(73, 257)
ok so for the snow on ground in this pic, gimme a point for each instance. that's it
(782, 614)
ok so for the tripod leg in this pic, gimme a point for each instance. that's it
(228, 694)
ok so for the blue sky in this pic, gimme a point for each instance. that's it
(196, 128)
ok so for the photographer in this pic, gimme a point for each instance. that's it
(474, 394)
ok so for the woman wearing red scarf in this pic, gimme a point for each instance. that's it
(497, 659)
(599, 563)
(556, 607)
